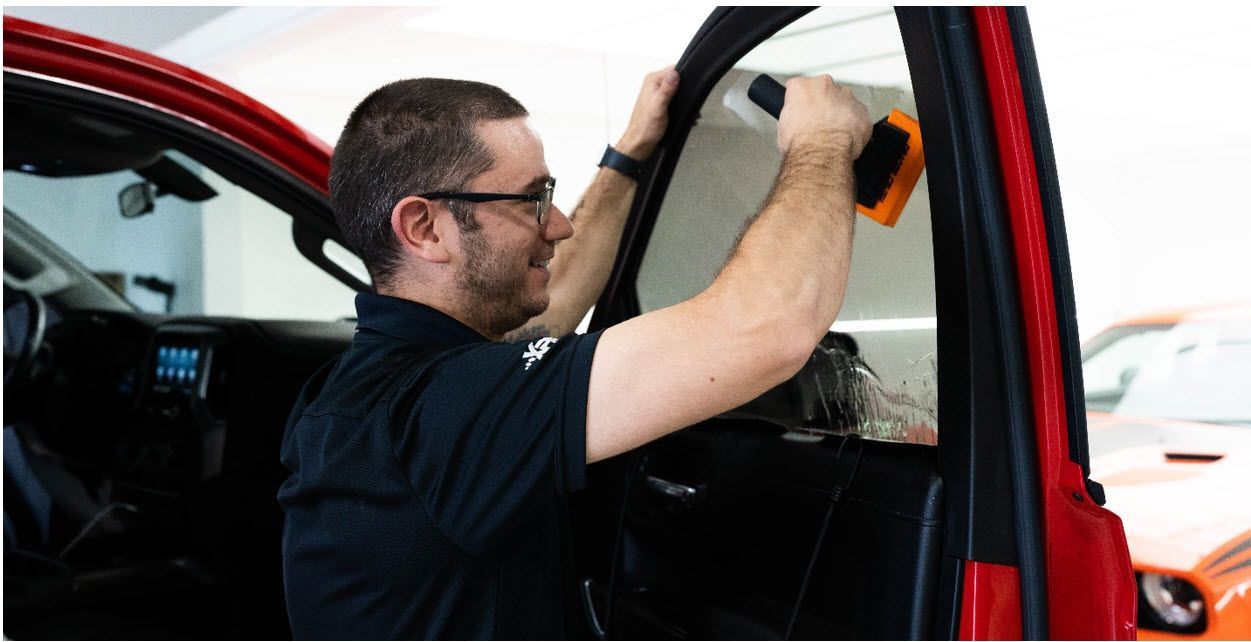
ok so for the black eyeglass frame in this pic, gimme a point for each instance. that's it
(542, 199)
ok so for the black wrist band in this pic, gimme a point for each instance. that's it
(622, 163)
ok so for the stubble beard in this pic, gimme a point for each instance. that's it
(495, 293)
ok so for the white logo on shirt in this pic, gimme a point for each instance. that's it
(537, 349)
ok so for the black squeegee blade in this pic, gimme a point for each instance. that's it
(879, 162)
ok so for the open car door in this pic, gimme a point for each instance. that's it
(926, 475)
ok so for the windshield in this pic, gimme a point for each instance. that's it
(1187, 371)
(196, 244)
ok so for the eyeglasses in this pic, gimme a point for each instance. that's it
(542, 199)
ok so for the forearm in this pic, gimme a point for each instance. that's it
(790, 266)
(752, 328)
(777, 295)
(583, 262)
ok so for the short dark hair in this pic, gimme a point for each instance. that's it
(409, 137)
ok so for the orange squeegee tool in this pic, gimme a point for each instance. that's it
(886, 171)
(889, 168)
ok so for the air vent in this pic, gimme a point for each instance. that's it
(1192, 458)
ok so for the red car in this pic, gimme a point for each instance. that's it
(876, 495)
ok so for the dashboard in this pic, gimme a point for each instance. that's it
(177, 434)
(152, 445)
(163, 405)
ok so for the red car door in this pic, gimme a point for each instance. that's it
(969, 512)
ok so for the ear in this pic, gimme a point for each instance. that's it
(412, 223)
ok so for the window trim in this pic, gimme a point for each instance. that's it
(727, 35)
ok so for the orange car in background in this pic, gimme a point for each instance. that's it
(1169, 416)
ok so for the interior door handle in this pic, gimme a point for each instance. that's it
(682, 493)
(588, 609)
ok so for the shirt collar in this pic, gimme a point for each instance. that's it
(411, 321)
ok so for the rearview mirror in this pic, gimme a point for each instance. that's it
(137, 199)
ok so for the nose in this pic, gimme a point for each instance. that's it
(558, 227)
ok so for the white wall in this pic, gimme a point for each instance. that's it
(316, 70)
(1154, 152)
(314, 66)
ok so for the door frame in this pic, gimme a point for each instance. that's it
(1009, 397)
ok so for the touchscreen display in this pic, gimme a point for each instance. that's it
(176, 368)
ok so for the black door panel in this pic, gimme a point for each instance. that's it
(729, 563)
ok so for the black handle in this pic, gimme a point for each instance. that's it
(768, 93)
(878, 162)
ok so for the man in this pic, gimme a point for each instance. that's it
(430, 462)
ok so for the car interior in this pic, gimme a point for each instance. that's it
(140, 447)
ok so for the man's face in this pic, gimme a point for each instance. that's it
(503, 275)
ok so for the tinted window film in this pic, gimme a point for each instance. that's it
(877, 373)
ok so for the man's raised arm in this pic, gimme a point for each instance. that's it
(758, 322)
(582, 263)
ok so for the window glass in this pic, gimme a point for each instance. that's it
(231, 254)
(877, 376)
(1189, 372)
(1108, 372)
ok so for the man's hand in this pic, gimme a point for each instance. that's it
(817, 107)
(583, 263)
(651, 114)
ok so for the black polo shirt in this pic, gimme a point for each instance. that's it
(428, 468)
